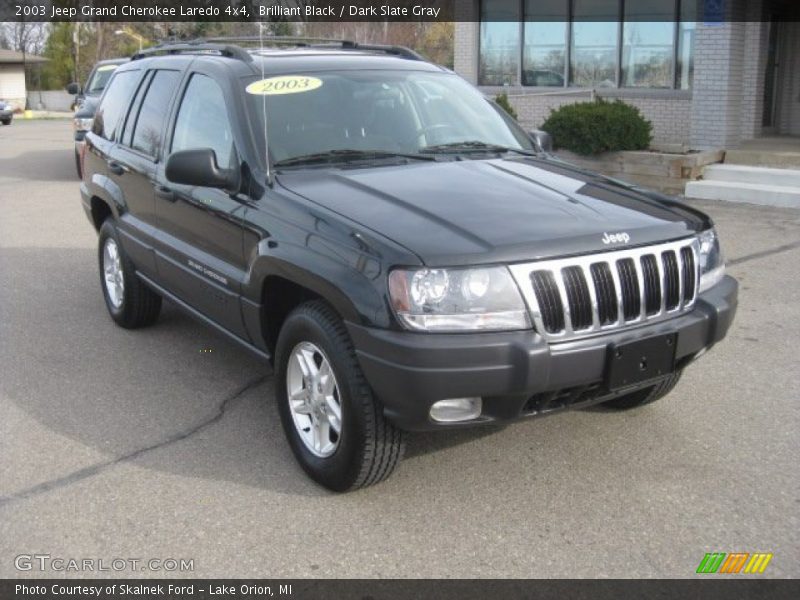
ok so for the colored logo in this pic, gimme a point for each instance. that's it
(735, 562)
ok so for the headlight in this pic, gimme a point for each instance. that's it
(80, 124)
(476, 299)
(712, 264)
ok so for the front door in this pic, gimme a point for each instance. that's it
(199, 240)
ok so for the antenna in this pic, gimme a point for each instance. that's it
(264, 108)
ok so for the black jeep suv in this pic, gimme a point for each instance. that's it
(403, 254)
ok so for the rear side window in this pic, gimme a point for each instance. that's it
(203, 120)
(114, 105)
(149, 127)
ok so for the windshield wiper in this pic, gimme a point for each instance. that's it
(473, 146)
(346, 155)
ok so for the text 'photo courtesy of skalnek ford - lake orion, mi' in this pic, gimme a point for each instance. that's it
(288, 287)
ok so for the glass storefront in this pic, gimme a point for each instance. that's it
(587, 43)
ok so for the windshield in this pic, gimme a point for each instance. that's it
(99, 79)
(393, 112)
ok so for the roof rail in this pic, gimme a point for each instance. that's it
(196, 46)
(272, 40)
(402, 51)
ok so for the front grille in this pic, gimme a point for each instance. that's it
(583, 295)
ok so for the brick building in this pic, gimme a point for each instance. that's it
(708, 81)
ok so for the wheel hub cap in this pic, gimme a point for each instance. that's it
(112, 273)
(314, 399)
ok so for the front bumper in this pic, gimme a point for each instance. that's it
(518, 373)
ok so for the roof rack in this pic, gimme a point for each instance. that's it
(228, 46)
(318, 42)
(194, 47)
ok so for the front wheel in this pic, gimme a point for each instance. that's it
(333, 423)
(129, 301)
(6, 121)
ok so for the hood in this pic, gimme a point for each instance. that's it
(502, 210)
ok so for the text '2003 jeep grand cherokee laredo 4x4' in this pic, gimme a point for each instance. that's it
(403, 253)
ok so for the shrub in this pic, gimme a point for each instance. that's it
(503, 102)
(599, 126)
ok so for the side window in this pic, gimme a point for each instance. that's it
(203, 120)
(127, 129)
(149, 127)
(114, 105)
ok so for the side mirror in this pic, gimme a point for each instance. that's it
(542, 139)
(73, 89)
(199, 167)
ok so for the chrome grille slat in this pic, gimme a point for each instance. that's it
(679, 259)
(637, 266)
(689, 276)
(562, 292)
(612, 267)
(662, 282)
(585, 295)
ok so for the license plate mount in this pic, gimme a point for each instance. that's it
(634, 362)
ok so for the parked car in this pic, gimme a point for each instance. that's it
(86, 99)
(6, 113)
(397, 247)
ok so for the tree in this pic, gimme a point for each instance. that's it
(60, 68)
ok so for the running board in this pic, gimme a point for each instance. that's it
(193, 312)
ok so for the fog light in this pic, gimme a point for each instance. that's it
(456, 409)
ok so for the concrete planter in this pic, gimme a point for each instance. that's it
(666, 172)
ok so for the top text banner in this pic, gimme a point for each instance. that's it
(228, 10)
(708, 11)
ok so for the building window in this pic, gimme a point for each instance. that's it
(587, 43)
(595, 39)
(648, 46)
(544, 55)
(686, 29)
(499, 43)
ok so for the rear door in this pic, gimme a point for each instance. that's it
(199, 251)
(132, 162)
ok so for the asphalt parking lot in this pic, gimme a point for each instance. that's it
(165, 442)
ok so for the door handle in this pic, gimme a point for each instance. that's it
(165, 193)
(116, 168)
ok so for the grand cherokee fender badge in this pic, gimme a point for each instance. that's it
(207, 272)
(616, 238)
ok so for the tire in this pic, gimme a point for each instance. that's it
(368, 447)
(133, 304)
(6, 121)
(647, 395)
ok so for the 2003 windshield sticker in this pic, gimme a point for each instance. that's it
(286, 84)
